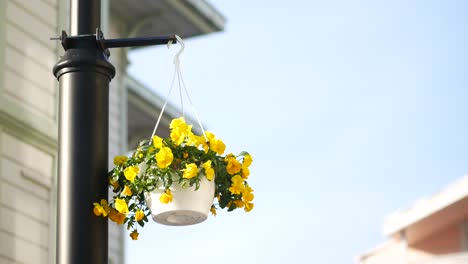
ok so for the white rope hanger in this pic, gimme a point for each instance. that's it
(181, 84)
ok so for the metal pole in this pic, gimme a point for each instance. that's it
(85, 16)
(84, 74)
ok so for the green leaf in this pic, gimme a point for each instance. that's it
(232, 207)
(197, 184)
(243, 153)
(223, 203)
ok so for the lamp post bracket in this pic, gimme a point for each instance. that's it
(69, 42)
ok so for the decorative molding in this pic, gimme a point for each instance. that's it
(28, 127)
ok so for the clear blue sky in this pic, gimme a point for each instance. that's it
(351, 109)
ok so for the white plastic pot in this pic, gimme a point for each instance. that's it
(188, 207)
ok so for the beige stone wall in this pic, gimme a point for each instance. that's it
(28, 128)
(26, 202)
(28, 89)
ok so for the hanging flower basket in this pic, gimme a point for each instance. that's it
(175, 180)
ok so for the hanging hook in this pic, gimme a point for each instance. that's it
(182, 47)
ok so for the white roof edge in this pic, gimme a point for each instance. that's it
(423, 208)
(209, 11)
(157, 101)
(206, 18)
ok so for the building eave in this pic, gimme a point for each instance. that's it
(146, 96)
(424, 208)
(186, 18)
(144, 107)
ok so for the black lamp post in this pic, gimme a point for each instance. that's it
(84, 74)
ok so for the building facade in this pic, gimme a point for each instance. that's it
(432, 231)
(29, 100)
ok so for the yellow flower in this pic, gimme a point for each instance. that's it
(209, 171)
(247, 160)
(190, 171)
(247, 194)
(210, 135)
(239, 203)
(114, 184)
(179, 130)
(178, 136)
(131, 172)
(207, 164)
(134, 235)
(139, 215)
(237, 186)
(177, 123)
(157, 142)
(191, 139)
(166, 197)
(101, 209)
(248, 207)
(236, 189)
(185, 155)
(97, 210)
(228, 156)
(233, 165)
(119, 160)
(205, 147)
(245, 172)
(127, 191)
(218, 146)
(194, 140)
(117, 217)
(164, 157)
(237, 180)
(106, 207)
(213, 210)
(121, 206)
